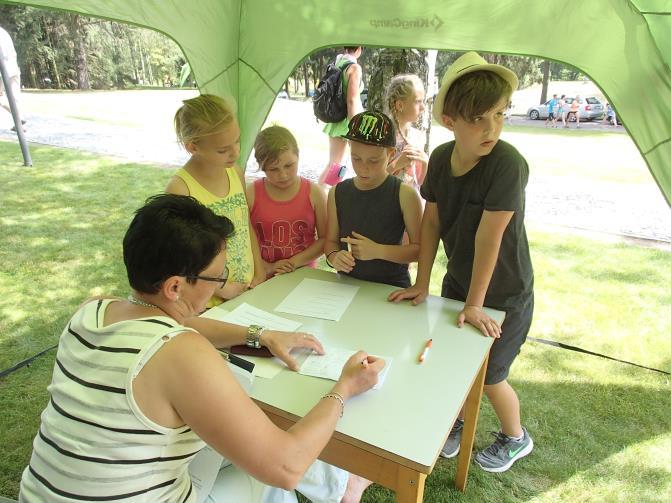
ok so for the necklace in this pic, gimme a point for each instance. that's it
(142, 303)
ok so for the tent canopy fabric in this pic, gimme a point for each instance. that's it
(246, 49)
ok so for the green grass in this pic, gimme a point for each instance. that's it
(602, 429)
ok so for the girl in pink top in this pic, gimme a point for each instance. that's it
(288, 212)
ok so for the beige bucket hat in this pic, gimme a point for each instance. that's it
(468, 63)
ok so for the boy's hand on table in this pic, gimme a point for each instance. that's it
(343, 261)
(362, 247)
(416, 294)
(475, 316)
(281, 343)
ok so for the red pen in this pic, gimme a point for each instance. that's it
(425, 351)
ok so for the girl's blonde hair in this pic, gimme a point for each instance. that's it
(271, 142)
(400, 88)
(202, 116)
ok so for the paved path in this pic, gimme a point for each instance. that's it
(638, 211)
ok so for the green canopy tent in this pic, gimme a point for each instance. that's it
(247, 48)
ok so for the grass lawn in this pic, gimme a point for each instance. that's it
(602, 429)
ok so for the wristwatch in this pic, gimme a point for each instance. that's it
(253, 339)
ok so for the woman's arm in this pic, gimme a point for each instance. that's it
(188, 382)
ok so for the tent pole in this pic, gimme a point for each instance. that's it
(27, 161)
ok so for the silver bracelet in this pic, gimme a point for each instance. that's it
(337, 396)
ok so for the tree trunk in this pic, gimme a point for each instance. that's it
(306, 76)
(546, 81)
(391, 62)
(79, 34)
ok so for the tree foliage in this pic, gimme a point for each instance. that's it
(62, 50)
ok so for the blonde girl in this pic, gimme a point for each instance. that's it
(207, 128)
(288, 212)
(404, 102)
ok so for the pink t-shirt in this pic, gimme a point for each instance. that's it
(284, 228)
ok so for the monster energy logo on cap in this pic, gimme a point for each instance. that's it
(373, 128)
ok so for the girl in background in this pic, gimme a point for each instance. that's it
(404, 101)
(286, 209)
(353, 84)
(207, 128)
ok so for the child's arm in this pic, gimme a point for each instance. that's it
(259, 267)
(487, 244)
(367, 249)
(318, 201)
(340, 260)
(428, 245)
(354, 105)
(177, 186)
(267, 267)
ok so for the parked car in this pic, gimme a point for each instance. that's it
(590, 108)
(283, 94)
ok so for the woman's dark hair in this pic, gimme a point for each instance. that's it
(172, 236)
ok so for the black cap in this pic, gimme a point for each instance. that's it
(372, 128)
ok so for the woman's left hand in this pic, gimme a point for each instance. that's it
(475, 316)
(362, 247)
(281, 343)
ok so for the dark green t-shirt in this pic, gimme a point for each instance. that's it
(496, 183)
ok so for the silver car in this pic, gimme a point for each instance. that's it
(590, 108)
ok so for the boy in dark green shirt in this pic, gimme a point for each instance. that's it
(474, 192)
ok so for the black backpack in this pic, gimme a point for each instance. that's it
(329, 101)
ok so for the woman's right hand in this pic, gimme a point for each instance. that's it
(359, 374)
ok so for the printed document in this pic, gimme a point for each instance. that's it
(318, 299)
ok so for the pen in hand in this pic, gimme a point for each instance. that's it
(425, 351)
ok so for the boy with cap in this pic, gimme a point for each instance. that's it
(368, 214)
(474, 192)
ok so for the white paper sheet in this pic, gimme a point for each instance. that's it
(246, 314)
(329, 366)
(318, 299)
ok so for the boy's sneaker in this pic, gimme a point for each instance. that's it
(451, 447)
(505, 450)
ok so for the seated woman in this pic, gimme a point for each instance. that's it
(136, 392)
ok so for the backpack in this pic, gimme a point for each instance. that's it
(329, 101)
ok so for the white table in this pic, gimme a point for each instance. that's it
(392, 435)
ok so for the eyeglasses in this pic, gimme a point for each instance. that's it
(222, 279)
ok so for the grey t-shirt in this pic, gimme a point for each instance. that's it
(496, 183)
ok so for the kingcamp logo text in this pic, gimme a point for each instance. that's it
(407, 24)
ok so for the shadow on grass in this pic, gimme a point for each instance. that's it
(575, 427)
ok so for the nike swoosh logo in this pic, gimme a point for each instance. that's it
(512, 453)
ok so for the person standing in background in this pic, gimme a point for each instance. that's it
(353, 84)
(8, 56)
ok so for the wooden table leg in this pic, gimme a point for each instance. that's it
(410, 485)
(471, 413)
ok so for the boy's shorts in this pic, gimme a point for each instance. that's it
(513, 334)
(551, 115)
